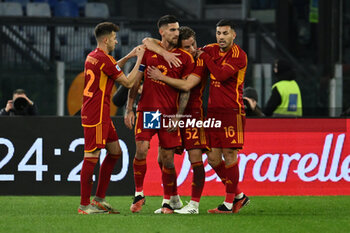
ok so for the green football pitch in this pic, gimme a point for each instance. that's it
(264, 214)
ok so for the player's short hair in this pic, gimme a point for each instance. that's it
(105, 28)
(186, 33)
(226, 22)
(166, 19)
(19, 91)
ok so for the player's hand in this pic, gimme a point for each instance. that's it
(154, 73)
(129, 119)
(134, 51)
(199, 52)
(172, 59)
(174, 125)
(9, 105)
(140, 50)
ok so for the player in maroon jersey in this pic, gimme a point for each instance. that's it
(101, 71)
(227, 64)
(240, 199)
(194, 140)
(158, 99)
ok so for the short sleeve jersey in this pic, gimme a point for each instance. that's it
(101, 70)
(227, 94)
(156, 95)
(195, 101)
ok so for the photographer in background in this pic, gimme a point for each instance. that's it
(20, 105)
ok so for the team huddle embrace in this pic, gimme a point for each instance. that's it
(174, 73)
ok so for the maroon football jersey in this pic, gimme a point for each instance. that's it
(101, 70)
(227, 94)
(156, 95)
(195, 102)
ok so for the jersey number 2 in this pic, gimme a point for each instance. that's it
(88, 85)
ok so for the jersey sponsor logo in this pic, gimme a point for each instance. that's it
(117, 67)
(163, 69)
(154, 56)
(151, 120)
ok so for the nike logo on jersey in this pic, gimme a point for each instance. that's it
(154, 56)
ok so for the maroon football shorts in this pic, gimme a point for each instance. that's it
(193, 137)
(99, 135)
(231, 132)
(166, 139)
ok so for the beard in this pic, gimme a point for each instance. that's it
(224, 45)
(173, 41)
(110, 48)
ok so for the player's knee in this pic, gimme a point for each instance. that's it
(195, 157)
(116, 151)
(141, 152)
(93, 154)
(167, 160)
(168, 163)
(117, 155)
(230, 157)
(213, 162)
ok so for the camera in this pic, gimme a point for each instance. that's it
(247, 107)
(20, 104)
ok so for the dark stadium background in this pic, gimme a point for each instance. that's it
(267, 29)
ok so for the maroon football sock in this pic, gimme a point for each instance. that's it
(140, 168)
(105, 174)
(168, 178)
(174, 190)
(198, 180)
(221, 171)
(86, 182)
(232, 176)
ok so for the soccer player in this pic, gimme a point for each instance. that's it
(101, 70)
(158, 98)
(227, 64)
(190, 82)
(193, 138)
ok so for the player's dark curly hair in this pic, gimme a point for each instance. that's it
(166, 19)
(226, 22)
(185, 33)
(105, 28)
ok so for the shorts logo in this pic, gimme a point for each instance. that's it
(151, 120)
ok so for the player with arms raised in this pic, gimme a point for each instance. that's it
(158, 97)
(193, 138)
(101, 71)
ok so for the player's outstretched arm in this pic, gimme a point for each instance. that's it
(131, 54)
(153, 45)
(129, 81)
(181, 84)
